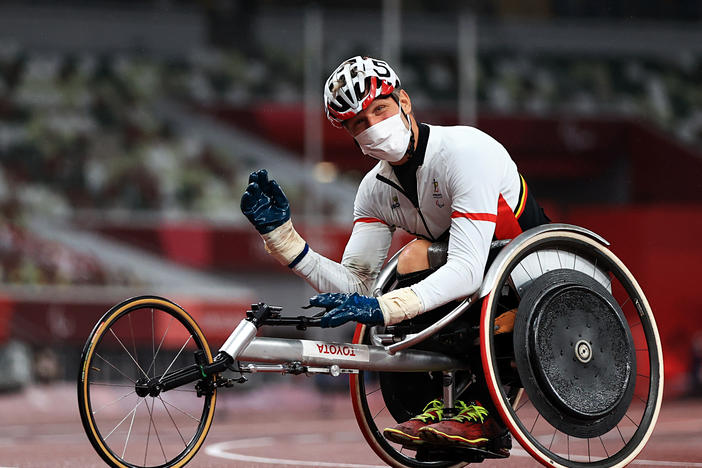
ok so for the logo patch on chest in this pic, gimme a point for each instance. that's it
(436, 193)
(395, 202)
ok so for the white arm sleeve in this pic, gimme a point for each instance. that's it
(461, 276)
(364, 255)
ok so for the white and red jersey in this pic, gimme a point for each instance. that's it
(467, 185)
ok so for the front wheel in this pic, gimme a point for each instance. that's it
(137, 340)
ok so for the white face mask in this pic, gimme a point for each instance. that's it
(387, 140)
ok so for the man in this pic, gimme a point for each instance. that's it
(455, 188)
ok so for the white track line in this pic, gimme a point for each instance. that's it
(223, 450)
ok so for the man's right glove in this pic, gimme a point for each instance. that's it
(264, 203)
(267, 208)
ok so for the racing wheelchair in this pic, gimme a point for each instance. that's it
(576, 377)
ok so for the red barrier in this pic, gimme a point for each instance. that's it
(5, 317)
(661, 246)
(61, 321)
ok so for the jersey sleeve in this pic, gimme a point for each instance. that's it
(363, 256)
(473, 174)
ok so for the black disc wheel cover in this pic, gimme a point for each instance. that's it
(574, 353)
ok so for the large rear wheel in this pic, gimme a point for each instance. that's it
(585, 348)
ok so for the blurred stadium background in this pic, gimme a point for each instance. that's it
(128, 129)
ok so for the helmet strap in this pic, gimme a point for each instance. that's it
(410, 147)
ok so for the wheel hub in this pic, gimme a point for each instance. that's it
(583, 351)
(575, 353)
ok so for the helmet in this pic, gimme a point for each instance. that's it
(354, 85)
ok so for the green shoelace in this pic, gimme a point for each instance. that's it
(474, 413)
(433, 410)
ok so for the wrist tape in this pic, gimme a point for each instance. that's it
(285, 244)
(399, 305)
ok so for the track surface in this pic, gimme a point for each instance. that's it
(281, 424)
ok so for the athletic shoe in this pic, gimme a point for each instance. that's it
(472, 427)
(406, 433)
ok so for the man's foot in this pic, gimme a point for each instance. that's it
(406, 433)
(472, 427)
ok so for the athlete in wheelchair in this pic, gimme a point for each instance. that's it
(492, 323)
(455, 188)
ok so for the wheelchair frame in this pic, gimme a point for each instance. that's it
(295, 356)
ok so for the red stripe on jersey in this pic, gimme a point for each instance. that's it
(507, 225)
(369, 220)
(475, 216)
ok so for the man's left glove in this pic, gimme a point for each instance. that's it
(342, 308)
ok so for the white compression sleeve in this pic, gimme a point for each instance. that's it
(364, 255)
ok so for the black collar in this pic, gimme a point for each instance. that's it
(407, 173)
(422, 140)
(417, 158)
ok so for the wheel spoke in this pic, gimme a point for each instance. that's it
(102, 384)
(129, 432)
(115, 368)
(131, 329)
(620, 434)
(173, 421)
(158, 437)
(128, 353)
(588, 451)
(552, 439)
(153, 342)
(153, 362)
(378, 413)
(534, 425)
(374, 391)
(123, 419)
(148, 432)
(539, 259)
(522, 405)
(175, 358)
(611, 278)
(182, 411)
(603, 446)
(632, 421)
(594, 269)
(113, 402)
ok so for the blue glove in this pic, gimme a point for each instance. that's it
(264, 203)
(342, 308)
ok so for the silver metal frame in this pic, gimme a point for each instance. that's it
(367, 357)
(244, 346)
